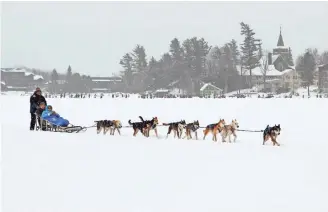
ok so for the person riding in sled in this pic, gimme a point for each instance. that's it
(35, 101)
(49, 115)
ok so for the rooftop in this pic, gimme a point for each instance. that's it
(207, 85)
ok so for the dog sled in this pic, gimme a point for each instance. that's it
(46, 125)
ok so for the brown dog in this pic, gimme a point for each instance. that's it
(229, 130)
(106, 125)
(151, 125)
(214, 128)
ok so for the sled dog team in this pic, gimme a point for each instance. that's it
(221, 128)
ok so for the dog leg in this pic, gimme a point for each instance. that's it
(205, 133)
(156, 132)
(274, 141)
(234, 137)
(264, 140)
(105, 130)
(135, 132)
(98, 131)
(196, 135)
(168, 132)
(118, 130)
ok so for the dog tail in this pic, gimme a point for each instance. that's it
(130, 122)
(166, 124)
(140, 117)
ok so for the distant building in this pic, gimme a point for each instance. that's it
(281, 55)
(161, 93)
(3, 86)
(20, 80)
(208, 90)
(323, 78)
(104, 84)
(287, 80)
(280, 73)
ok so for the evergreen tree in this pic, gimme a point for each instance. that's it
(139, 58)
(68, 79)
(68, 74)
(290, 60)
(127, 63)
(187, 51)
(324, 58)
(152, 62)
(235, 52)
(166, 60)
(54, 78)
(260, 52)
(306, 64)
(204, 49)
(249, 50)
(176, 50)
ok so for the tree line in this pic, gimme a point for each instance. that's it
(69, 82)
(189, 62)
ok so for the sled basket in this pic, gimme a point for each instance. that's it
(44, 125)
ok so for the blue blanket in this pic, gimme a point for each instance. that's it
(54, 118)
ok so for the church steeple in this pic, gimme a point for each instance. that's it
(280, 40)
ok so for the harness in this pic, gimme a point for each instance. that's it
(194, 128)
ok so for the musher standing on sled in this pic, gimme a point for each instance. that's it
(35, 100)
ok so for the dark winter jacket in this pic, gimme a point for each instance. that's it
(35, 100)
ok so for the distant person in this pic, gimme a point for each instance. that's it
(35, 101)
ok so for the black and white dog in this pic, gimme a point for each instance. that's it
(272, 133)
(192, 127)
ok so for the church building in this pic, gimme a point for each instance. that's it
(281, 56)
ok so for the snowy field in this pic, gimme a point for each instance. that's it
(86, 172)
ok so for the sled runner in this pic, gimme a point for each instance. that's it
(46, 125)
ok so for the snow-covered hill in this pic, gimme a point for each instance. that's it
(43, 171)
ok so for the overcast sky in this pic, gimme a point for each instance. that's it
(93, 36)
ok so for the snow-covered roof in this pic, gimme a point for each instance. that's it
(14, 87)
(274, 58)
(14, 70)
(281, 47)
(100, 89)
(287, 71)
(161, 90)
(106, 79)
(28, 73)
(208, 84)
(3, 83)
(272, 71)
(292, 67)
(37, 77)
(102, 80)
(323, 65)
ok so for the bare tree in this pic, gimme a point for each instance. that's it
(264, 67)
